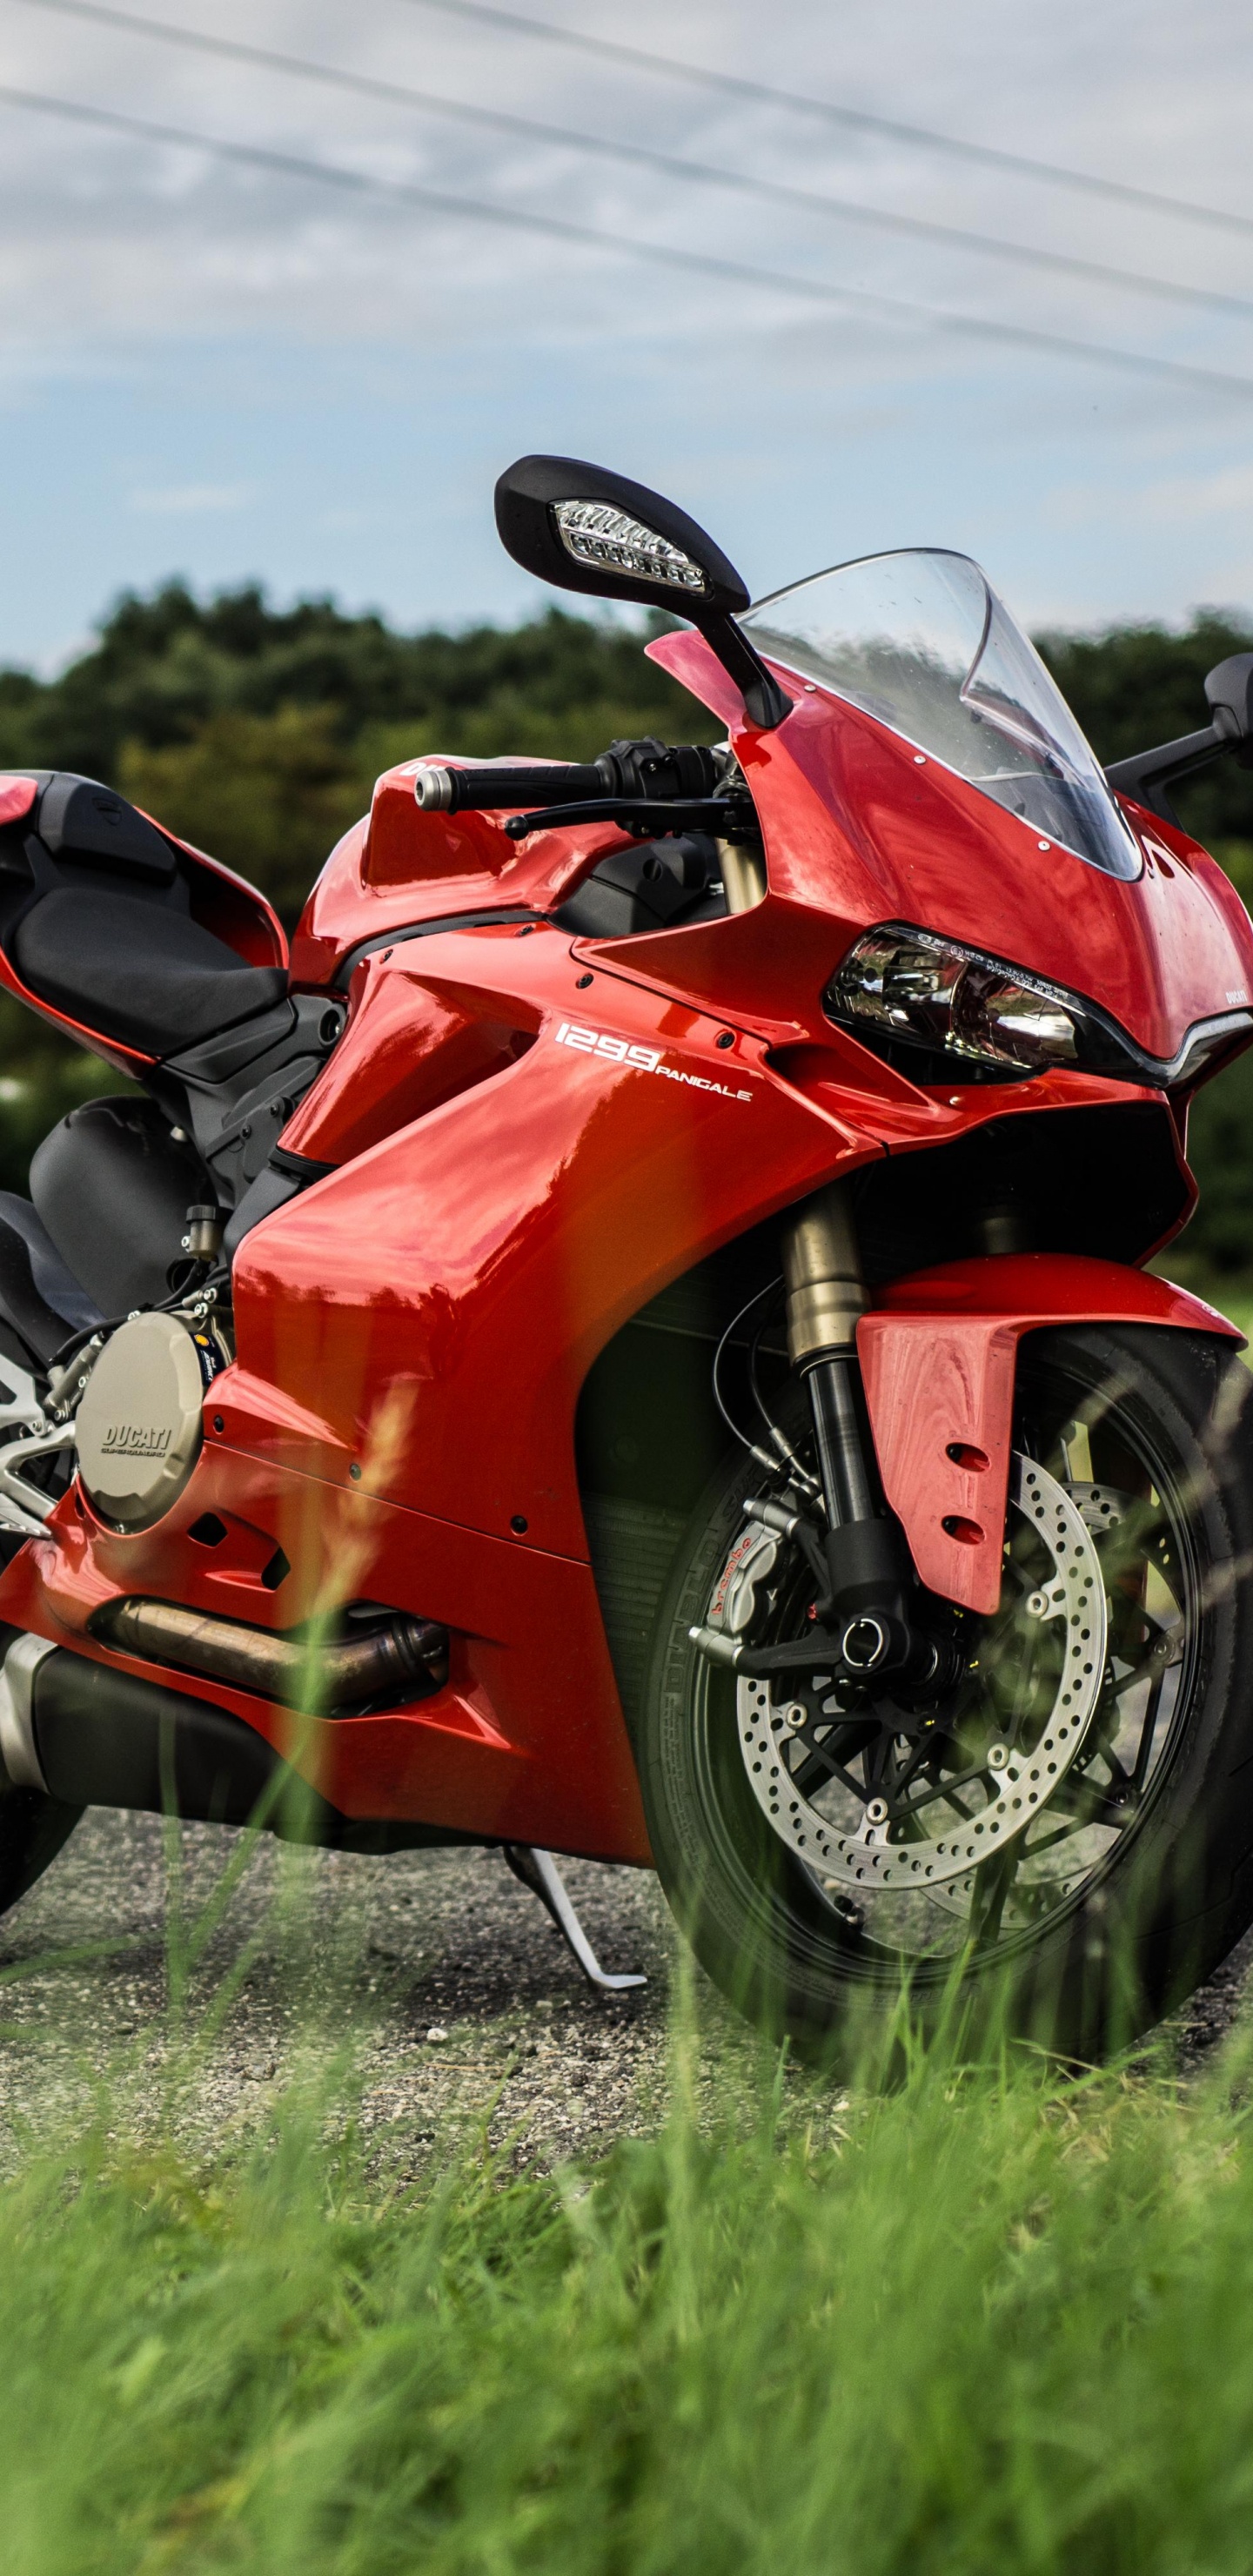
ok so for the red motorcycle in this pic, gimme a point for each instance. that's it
(634, 1339)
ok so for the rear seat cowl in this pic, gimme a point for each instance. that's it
(81, 819)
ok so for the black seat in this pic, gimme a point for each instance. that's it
(135, 971)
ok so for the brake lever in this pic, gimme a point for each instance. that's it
(727, 817)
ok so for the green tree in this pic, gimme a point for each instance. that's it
(1133, 686)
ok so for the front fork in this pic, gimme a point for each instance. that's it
(869, 1580)
(866, 1620)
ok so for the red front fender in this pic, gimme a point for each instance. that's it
(938, 1357)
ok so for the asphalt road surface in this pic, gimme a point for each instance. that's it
(443, 1976)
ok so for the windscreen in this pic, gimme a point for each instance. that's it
(920, 640)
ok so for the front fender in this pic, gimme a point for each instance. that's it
(938, 1357)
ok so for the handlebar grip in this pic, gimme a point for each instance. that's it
(461, 791)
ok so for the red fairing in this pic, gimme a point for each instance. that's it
(426, 1316)
(17, 795)
(525, 1743)
(857, 832)
(938, 1360)
(401, 866)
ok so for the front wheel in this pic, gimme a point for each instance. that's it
(1066, 1834)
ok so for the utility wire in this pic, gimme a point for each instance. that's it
(1053, 173)
(672, 165)
(586, 236)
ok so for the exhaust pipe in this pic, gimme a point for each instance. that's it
(382, 1663)
(88, 1736)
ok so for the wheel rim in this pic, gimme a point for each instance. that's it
(1136, 1534)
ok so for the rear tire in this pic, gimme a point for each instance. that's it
(32, 1831)
(1151, 1904)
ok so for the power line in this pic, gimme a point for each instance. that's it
(586, 236)
(1053, 173)
(673, 165)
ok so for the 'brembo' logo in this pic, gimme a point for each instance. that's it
(134, 1440)
(642, 1059)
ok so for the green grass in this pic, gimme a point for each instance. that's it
(987, 2321)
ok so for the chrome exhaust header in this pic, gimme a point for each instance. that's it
(320, 1678)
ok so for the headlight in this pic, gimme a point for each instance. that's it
(908, 989)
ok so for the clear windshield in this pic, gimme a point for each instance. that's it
(921, 640)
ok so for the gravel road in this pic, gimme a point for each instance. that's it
(444, 1974)
(446, 1977)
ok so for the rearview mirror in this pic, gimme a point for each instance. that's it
(1229, 689)
(582, 528)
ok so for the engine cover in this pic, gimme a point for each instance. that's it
(139, 1424)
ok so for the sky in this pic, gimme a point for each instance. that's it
(231, 369)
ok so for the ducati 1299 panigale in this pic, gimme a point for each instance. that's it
(635, 1338)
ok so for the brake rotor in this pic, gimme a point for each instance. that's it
(863, 1856)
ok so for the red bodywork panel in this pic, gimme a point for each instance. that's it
(426, 1317)
(938, 1358)
(17, 795)
(531, 1136)
(858, 832)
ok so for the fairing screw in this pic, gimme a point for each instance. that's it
(727, 1038)
(519, 1524)
(581, 983)
(355, 1472)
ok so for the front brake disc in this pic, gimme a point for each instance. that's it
(864, 1856)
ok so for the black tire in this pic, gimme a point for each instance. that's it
(1169, 1891)
(32, 1831)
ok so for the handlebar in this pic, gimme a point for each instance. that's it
(480, 791)
(644, 769)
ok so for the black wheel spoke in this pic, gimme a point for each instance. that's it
(1082, 1802)
(1149, 1730)
(992, 1883)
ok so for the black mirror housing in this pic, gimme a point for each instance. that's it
(1229, 689)
(542, 525)
(583, 528)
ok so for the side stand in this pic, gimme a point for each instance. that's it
(538, 1871)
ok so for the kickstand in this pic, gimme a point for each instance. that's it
(538, 1871)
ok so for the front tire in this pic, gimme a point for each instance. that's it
(1138, 1878)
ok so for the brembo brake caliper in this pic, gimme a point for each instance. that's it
(860, 1624)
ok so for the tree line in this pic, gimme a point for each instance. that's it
(258, 733)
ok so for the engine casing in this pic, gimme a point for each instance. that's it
(140, 1423)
